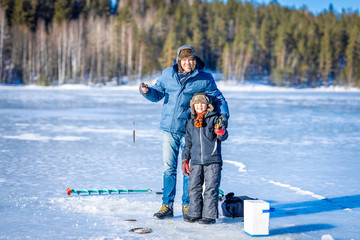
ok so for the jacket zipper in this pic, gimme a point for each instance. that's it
(182, 87)
(201, 147)
(172, 126)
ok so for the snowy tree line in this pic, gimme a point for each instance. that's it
(49, 42)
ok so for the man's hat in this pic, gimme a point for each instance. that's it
(185, 51)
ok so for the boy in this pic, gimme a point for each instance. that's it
(203, 148)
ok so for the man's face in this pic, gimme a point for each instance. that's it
(187, 64)
(200, 107)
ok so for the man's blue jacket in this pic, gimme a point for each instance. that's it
(177, 95)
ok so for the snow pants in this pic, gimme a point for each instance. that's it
(204, 205)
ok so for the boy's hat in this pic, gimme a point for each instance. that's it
(200, 98)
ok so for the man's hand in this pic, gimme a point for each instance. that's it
(185, 167)
(144, 88)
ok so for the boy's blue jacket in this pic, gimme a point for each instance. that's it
(177, 96)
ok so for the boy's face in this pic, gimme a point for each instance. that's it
(200, 107)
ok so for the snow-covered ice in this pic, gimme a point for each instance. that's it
(297, 149)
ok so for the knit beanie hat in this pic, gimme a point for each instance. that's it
(185, 51)
(200, 98)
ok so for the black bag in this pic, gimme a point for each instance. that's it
(233, 206)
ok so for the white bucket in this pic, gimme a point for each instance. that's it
(256, 217)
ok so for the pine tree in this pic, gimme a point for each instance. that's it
(339, 42)
(350, 54)
(25, 13)
(63, 10)
(280, 54)
(169, 49)
(45, 12)
(197, 37)
(325, 54)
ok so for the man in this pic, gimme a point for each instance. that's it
(177, 85)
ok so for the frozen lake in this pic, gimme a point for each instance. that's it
(297, 149)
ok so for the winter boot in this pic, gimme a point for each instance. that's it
(164, 212)
(207, 221)
(190, 219)
(185, 209)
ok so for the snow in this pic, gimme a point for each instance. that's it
(296, 189)
(240, 165)
(35, 137)
(297, 149)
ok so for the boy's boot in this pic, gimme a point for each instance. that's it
(164, 212)
(207, 221)
(191, 219)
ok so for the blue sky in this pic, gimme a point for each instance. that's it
(317, 6)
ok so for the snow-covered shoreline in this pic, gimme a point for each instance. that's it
(225, 86)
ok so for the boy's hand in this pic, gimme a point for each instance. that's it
(219, 127)
(144, 88)
(185, 167)
(220, 131)
(223, 119)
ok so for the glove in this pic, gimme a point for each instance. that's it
(144, 88)
(220, 131)
(224, 121)
(185, 167)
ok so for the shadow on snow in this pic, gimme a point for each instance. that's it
(299, 229)
(310, 207)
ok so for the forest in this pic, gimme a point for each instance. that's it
(55, 42)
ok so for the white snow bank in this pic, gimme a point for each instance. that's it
(249, 87)
(69, 138)
(36, 137)
(327, 237)
(238, 164)
(99, 130)
(296, 189)
(70, 87)
(223, 86)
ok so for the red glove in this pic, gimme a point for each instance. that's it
(221, 131)
(185, 167)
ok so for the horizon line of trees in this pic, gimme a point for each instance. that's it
(50, 42)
